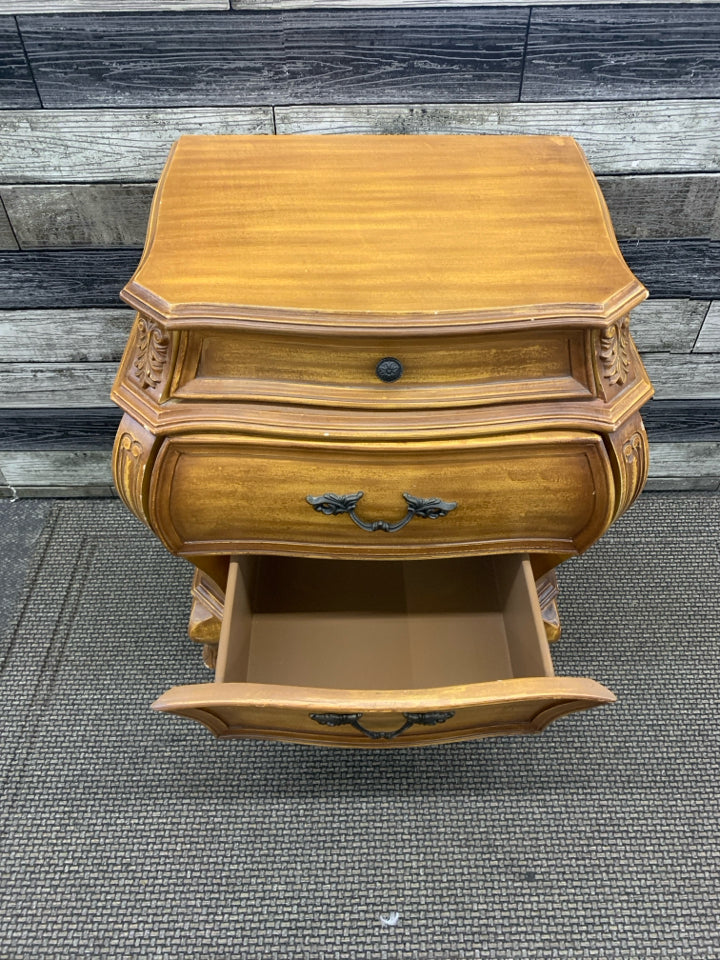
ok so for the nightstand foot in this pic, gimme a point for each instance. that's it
(209, 655)
(547, 589)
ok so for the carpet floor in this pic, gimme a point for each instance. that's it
(127, 834)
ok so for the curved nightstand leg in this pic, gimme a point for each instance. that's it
(210, 655)
(547, 589)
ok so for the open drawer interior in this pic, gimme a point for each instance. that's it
(381, 625)
(381, 653)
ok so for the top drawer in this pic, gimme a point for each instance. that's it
(383, 372)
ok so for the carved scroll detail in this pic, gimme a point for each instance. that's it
(616, 352)
(629, 446)
(133, 448)
(152, 351)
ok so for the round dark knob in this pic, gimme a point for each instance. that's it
(389, 369)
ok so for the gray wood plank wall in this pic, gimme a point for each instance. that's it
(94, 92)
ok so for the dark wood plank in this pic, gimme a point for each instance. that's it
(93, 278)
(623, 53)
(68, 278)
(16, 83)
(59, 429)
(95, 6)
(276, 57)
(676, 268)
(664, 206)
(78, 215)
(682, 421)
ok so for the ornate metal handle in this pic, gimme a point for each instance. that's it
(353, 720)
(332, 504)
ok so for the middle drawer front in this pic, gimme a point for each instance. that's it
(548, 492)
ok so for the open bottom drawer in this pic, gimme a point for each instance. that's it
(382, 653)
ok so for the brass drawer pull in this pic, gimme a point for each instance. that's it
(353, 719)
(332, 504)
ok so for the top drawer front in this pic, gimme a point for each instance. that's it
(342, 371)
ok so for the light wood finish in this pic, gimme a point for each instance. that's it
(277, 273)
(113, 214)
(233, 494)
(304, 637)
(407, 227)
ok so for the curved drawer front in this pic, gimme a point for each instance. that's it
(446, 371)
(544, 492)
(350, 718)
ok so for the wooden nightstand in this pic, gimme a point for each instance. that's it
(378, 388)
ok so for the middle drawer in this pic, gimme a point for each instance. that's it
(546, 492)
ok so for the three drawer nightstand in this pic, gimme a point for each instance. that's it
(378, 388)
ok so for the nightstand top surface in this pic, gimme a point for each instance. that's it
(437, 227)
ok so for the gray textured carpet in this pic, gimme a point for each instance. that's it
(127, 834)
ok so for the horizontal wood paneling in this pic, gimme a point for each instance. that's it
(63, 428)
(7, 237)
(96, 6)
(688, 377)
(87, 384)
(89, 472)
(668, 326)
(66, 215)
(640, 137)
(16, 83)
(73, 278)
(53, 428)
(600, 53)
(295, 4)
(50, 146)
(691, 460)
(93, 278)
(82, 215)
(37, 385)
(132, 145)
(56, 473)
(676, 268)
(709, 338)
(260, 57)
(664, 206)
(682, 421)
(69, 335)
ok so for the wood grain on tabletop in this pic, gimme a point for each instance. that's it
(116, 214)
(399, 225)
